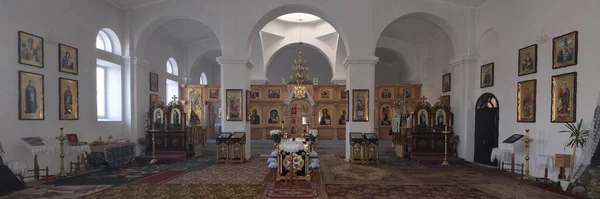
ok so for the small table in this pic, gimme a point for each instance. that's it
(547, 163)
(79, 150)
(112, 154)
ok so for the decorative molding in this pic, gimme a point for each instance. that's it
(142, 63)
(372, 60)
(258, 81)
(127, 59)
(464, 60)
(338, 80)
(186, 80)
(224, 61)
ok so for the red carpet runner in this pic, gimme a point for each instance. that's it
(300, 189)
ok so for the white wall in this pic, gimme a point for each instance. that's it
(282, 62)
(526, 21)
(210, 68)
(78, 28)
(158, 52)
(435, 57)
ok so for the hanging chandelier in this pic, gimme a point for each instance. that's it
(300, 76)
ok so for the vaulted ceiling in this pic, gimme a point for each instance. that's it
(129, 4)
(414, 30)
(185, 31)
(469, 3)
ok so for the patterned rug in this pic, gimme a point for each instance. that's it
(143, 191)
(252, 172)
(461, 177)
(134, 172)
(350, 191)
(335, 171)
(399, 163)
(50, 191)
(300, 189)
(520, 190)
(161, 177)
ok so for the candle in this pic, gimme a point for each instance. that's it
(446, 127)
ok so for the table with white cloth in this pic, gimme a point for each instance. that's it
(504, 153)
(294, 157)
(112, 154)
(36, 150)
(78, 149)
(548, 164)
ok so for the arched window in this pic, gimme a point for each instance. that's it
(108, 77)
(172, 66)
(103, 41)
(203, 80)
(107, 40)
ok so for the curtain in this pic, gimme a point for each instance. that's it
(588, 150)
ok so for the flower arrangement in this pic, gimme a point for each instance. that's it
(273, 154)
(272, 162)
(313, 154)
(314, 166)
(313, 134)
(276, 134)
(273, 166)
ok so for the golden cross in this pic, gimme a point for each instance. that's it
(423, 99)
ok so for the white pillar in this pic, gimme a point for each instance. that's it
(360, 73)
(464, 82)
(235, 74)
(139, 73)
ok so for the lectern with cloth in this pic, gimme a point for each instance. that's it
(505, 152)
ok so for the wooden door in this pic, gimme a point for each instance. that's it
(486, 128)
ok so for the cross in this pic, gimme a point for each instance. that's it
(423, 99)
(174, 98)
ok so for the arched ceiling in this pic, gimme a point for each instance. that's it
(469, 3)
(131, 4)
(414, 30)
(386, 55)
(186, 31)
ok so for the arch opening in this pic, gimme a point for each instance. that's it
(291, 9)
(281, 63)
(391, 68)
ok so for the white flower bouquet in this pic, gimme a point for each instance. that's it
(313, 134)
(276, 134)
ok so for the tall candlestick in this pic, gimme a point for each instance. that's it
(527, 140)
(62, 138)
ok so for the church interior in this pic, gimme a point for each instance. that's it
(299, 99)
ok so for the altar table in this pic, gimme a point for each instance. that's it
(112, 154)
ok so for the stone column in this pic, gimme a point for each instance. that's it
(360, 73)
(138, 79)
(464, 83)
(235, 74)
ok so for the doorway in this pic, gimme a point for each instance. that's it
(486, 128)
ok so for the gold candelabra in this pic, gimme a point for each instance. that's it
(285, 134)
(527, 140)
(62, 139)
(446, 132)
(153, 161)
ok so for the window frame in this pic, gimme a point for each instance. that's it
(105, 77)
(174, 67)
(106, 40)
